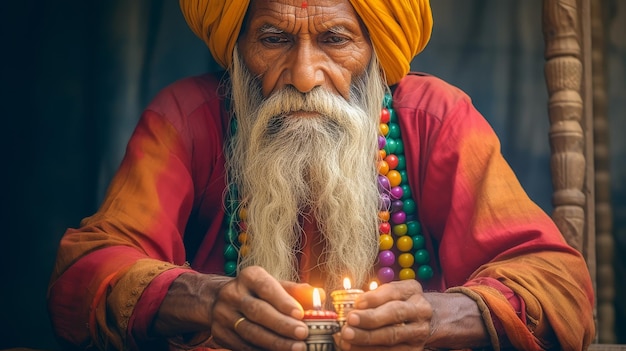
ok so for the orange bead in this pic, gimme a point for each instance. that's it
(383, 129)
(383, 216)
(394, 178)
(383, 167)
(406, 260)
(382, 154)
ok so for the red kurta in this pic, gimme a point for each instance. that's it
(164, 207)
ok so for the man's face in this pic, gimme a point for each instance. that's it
(304, 44)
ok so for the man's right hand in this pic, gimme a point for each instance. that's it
(253, 311)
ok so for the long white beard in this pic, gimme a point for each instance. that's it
(321, 165)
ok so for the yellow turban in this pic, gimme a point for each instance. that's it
(399, 29)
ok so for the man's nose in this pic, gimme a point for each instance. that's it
(305, 69)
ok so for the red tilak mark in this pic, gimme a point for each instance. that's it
(305, 4)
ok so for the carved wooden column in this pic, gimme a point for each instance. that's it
(605, 289)
(564, 75)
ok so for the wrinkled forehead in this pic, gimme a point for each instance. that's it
(302, 16)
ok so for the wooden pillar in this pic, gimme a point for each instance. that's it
(605, 289)
(567, 35)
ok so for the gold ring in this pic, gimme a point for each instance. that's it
(237, 322)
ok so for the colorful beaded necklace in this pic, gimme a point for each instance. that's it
(397, 215)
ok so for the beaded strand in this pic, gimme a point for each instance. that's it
(398, 210)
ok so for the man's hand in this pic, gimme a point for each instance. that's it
(400, 316)
(253, 311)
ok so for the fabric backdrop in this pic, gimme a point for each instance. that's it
(76, 75)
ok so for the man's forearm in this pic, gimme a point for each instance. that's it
(187, 305)
(456, 323)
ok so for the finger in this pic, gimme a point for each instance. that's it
(262, 313)
(263, 338)
(414, 310)
(267, 288)
(397, 290)
(399, 335)
(303, 293)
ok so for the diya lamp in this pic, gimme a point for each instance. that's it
(343, 300)
(322, 325)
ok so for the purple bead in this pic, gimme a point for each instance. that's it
(382, 141)
(386, 258)
(397, 205)
(384, 202)
(385, 274)
(383, 184)
(397, 192)
(398, 217)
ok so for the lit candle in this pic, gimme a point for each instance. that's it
(343, 300)
(373, 285)
(322, 325)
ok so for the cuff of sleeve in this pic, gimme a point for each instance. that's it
(144, 309)
(484, 312)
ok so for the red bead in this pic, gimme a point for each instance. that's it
(385, 227)
(392, 161)
(385, 116)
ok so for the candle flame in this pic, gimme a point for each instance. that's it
(317, 300)
(373, 285)
(346, 283)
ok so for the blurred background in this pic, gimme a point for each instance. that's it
(75, 76)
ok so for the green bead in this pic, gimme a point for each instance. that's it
(422, 256)
(418, 242)
(400, 229)
(231, 235)
(406, 189)
(390, 148)
(230, 253)
(401, 163)
(233, 126)
(230, 268)
(394, 131)
(409, 206)
(387, 101)
(425, 272)
(405, 177)
(399, 147)
(393, 116)
(414, 228)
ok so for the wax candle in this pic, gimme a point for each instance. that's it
(322, 325)
(343, 300)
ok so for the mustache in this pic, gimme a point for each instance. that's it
(275, 112)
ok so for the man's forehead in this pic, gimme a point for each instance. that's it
(289, 14)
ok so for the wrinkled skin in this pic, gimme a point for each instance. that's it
(321, 45)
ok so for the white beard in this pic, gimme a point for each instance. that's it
(321, 165)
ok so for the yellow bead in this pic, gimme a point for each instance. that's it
(383, 167)
(404, 243)
(385, 242)
(245, 250)
(394, 178)
(406, 273)
(243, 213)
(243, 237)
(383, 128)
(406, 260)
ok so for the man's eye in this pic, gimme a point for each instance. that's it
(336, 39)
(273, 40)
